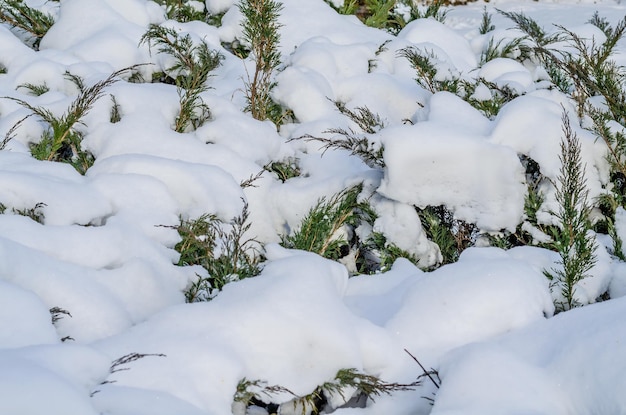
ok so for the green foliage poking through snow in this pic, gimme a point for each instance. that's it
(502, 49)
(426, 72)
(359, 143)
(116, 115)
(587, 72)
(191, 69)
(378, 13)
(255, 392)
(26, 19)
(486, 24)
(432, 9)
(183, 10)
(223, 250)
(324, 228)
(572, 239)
(428, 77)
(452, 235)
(35, 213)
(284, 170)
(330, 229)
(348, 384)
(378, 255)
(391, 15)
(261, 34)
(500, 95)
(531, 28)
(61, 141)
(35, 90)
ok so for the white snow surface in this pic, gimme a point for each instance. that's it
(104, 255)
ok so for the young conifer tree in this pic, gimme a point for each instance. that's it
(261, 33)
(572, 239)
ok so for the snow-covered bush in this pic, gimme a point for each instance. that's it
(424, 166)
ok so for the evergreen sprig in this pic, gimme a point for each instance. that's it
(189, 72)
(36, 90)
(223, 250)
(572, 240)
(182, 10)
(502, 49)
(61, 141)
(379, 13)
(423, 61)
(451, 235)
(486, 23)
(531, 28)
(261, 33)
(319, 230)
(358, 143)
(32, 21)
(433, 10)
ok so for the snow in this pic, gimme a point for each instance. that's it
(483, 294)
(556, 354)
(432, 36)
(423, 173)
(33, 327)
(507, 72)
(103, 248)
(265, 327)
(400, 223)
(50, 379)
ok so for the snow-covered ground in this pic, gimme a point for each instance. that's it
(105, 252)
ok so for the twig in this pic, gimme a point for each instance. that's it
(423, 369)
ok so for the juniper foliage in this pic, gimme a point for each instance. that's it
(572, 238)
(29, 20)
(192, 66)
(261, 33)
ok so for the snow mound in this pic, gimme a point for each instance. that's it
(427, 164)
(287, 326)
(485, 293)
(555, 361)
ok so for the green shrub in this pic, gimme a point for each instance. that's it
(330, 230)
(378, 255)
(572, 240)
(20, 16)
(426, 71)
(221, 249)
(427, 76)
(451, 235)
(61, 141)
(322, 230)
(284, 170)
(434, 10)
(385, 14)
(587, 72)
(115, 115)
(502, 49)
(379, 13)
(193, 64)
(261, 33)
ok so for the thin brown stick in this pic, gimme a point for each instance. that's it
(423, 369)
